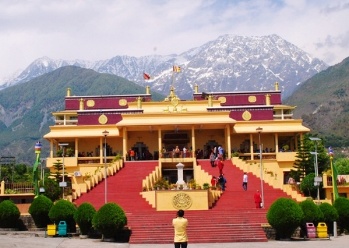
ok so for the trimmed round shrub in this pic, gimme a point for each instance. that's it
(330, 215)
(83, 217)
(109, 219)
(39, 210)
(9, 214)
(284, 215)
(311, 214)
(63, 210)
(342, 206)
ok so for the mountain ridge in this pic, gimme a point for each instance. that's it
(26, 109)
(229, 63)
(323, 104)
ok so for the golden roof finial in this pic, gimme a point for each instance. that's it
(172, 95)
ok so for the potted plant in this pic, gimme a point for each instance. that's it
(59, 153)
(70, 152)
(87, 176)
(192, 183)
(206, 186)
(118, 157)
(161, 184)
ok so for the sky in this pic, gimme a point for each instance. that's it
(101, 29)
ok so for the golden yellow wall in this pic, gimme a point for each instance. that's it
(149, 138)
(203, 136)
(198, 199)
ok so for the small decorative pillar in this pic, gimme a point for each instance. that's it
(276, 86)
(267, 99)
(210, 104)
(196, 88)
(81, 106)
(139, 102)
(68, 91)
(180, 180)
(147, 90)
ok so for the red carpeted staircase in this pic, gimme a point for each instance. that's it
(233, 218)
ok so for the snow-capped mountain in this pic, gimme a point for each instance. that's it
(229, 63)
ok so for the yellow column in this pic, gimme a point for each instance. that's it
(160, 147)
(124, 142)
(2, 192)
(251, 146)
(51, 149)
(276, 143)
(228, 140)
(193, 141)
(101, 161)
(68, 91)
(76, 147)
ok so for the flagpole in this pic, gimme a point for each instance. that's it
(173, 72)
(333, 180)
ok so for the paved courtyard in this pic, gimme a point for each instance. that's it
(28, 240)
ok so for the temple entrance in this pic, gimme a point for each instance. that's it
(173, 139)
(208, 147)
(142, 151)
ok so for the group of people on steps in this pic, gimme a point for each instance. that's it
(217, 160)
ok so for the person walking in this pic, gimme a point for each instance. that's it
(214, 181)
(132, 154)
(180, 230)
(221, 152)
(176, 152)
(184, 152)
(258, 199)
(212, 159)
(222, 181)
(244, 181)
(220, 165)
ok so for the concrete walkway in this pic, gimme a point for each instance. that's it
(33, 240)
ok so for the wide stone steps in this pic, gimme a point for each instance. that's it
(233, 218)
(220, 228)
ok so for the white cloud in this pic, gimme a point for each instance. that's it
(96, 30)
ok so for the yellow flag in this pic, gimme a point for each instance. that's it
(176, 68)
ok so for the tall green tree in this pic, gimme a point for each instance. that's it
(305, 160)
(303, 163)
(342, 165)
(58, 166)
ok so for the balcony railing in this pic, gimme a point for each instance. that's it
(66, 122)
(19, 188)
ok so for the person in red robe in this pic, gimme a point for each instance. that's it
(220, 165)
(258, 199)
(214, 181)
